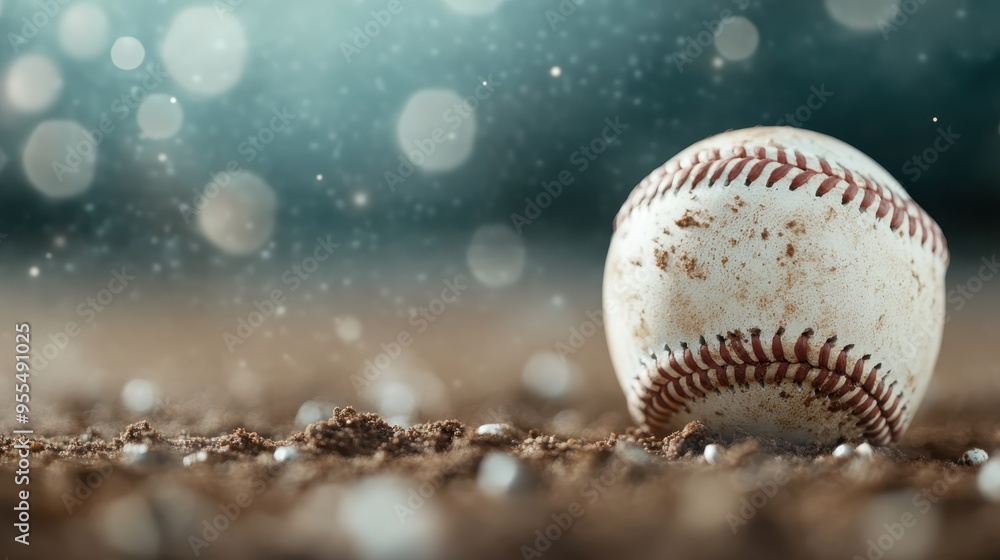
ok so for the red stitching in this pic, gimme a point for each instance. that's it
(712, 165)
(674, 379)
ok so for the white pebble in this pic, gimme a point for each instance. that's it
(195, 458)
(989, 480)
(974, 457)
(713, 454)
(286, 454)
(549, 376)
(313, 411)
(370, 514)
(632, 454)
(865, 451)
(499, 430)
(136, 453)
(499, 474)
(140, 395)
(843, 450)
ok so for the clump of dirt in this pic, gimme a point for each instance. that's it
(689, 441)
(140, 432)
(428, 438)
(348, 433)
(243, 442)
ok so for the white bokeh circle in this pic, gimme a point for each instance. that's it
(204, 53)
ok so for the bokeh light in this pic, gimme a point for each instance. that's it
(737, 39)
(60, 158)
(127, 53)
(83, 31)
(861, 15)
(160, 116)
(238, 217)
(496, 256)
(436, 130)
(33, 83)
(474, 7)
(205, 53)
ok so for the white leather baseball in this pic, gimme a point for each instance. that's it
(775, 281)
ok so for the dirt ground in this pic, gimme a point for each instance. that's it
(358, 487)
(220, 469)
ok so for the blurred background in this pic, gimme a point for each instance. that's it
(272, 208)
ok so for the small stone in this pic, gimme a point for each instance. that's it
(141, 454)
(974, 457)
(500, 474)
(313, 411)
(135, 452)
(713, 454)
(286, 454)
(195, 458)
(632, 454)
(498, 430)
(843, 450)
(140, 396)
(865, 451)
(989, 480)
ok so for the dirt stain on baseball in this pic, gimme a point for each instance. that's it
(691, 268)
(661, 259)
(796, 227)
(689, 220)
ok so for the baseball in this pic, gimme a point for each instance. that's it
(776, 281)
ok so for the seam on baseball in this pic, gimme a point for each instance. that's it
(673, 379)
(796, 170)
